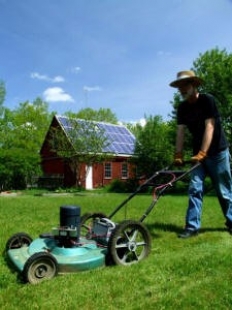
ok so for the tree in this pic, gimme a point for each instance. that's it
(154, 145)
(2, 94)
(22, 133)
(82, 145)
(101, 115)
(2, 113)
(30, 123)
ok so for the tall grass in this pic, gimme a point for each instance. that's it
(178, 274)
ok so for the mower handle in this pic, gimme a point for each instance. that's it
(185, 162)
(162, 189)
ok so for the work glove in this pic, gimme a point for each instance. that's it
(178, 159)
(199, 157)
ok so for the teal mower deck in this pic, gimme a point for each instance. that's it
(78, 244)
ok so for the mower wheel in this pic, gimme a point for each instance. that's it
(39, 267)
(87, 220)
(130, 242)
(18, 241)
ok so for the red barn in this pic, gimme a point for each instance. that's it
(121, 145)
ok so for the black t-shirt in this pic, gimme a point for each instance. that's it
(193, 115)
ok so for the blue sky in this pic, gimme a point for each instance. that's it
(117, 54)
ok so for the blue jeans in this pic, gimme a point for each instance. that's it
(218, 169)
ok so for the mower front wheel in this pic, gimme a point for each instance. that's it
(130, 242)
(18, 240)
(39, 267)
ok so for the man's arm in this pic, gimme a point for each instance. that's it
(206, 141)
(208, 134)
(180, 138)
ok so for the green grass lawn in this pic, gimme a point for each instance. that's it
(178, 274)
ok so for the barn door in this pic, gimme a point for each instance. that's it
(89, 177)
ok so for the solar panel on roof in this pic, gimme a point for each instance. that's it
(121, 140)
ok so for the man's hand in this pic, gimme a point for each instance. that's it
(199, 157)
(178, 159)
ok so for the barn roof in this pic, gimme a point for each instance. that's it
(121, 140)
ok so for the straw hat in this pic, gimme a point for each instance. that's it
(186, 76)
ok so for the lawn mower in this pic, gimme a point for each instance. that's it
(90, 241)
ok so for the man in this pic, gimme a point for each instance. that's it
(199, 113)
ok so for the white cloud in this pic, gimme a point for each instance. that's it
(44, 77)
(76, 69)
(57, 79)
(141, 121)
(55, 94)
(94, 88)
(163, 53)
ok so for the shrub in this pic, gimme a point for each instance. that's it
(117, 186)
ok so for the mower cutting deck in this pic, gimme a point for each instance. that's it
(64, 250)
(60, 251)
